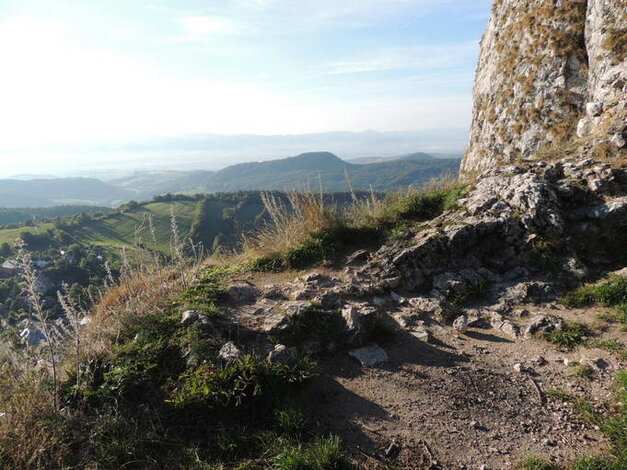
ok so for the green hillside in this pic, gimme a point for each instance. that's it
(215, 220)
(24, 214)
(329, 171)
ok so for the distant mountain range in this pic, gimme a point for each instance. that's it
(315, 170)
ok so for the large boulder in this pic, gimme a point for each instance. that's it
(242, 292)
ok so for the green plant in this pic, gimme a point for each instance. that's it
(569, 336)
(247, 379)
(535, 463)
(474, 292)
(558, 394)
(311, 252)
(290, 420)
(322, 454)
(611, 293)
(611, 345)
(266, 264)
(204, 295)
(545, 254)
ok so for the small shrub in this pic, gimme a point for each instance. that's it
(473, 293)
(205, 294)
(241, 382)
(559, 394)
(568, 337)
(290, 420)
(611, 345)
(545, 255)
(266, 264)
(310, 252)
(594, 463)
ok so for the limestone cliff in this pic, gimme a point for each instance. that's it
(550, 72)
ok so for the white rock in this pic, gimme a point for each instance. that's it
(229, 352)
(461, 324)
(281, 354)
(369, 356)
(594, 109)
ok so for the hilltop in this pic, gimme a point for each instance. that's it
(322, 170)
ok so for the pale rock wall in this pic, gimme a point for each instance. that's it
(549, 71)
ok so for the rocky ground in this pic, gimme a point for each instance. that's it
(431, 346)
(432, 396)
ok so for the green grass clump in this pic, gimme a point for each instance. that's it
(612, 293)
(205, 294)
(611, 345)
(614, 426)
(291, 420)
(545, 254)
(247, 379)
(535, 463)
(569, 336)
(311, 252)
(314, 324)
(417, 206)
(266, 264)
(558, 394)
(322, 454)
(474, 292)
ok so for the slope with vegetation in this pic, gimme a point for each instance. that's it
(241, 361)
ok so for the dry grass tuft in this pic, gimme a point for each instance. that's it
(307, 217)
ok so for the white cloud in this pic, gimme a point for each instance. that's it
(422, 57)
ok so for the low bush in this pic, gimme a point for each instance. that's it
(246, 380)
(569, 336)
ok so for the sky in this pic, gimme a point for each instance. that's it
(81, 80)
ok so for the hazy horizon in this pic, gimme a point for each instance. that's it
(92, 85)
(213, 152)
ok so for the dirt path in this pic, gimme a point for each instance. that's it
(457, 401)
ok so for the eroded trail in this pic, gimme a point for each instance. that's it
(445, 398)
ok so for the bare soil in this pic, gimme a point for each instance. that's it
(456, 401)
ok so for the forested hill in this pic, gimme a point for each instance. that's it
(329, 171)
(319, 170)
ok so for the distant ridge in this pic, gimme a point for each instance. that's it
(321, 170)
(411, 156)
(314, 168)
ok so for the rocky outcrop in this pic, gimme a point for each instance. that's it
(562, 219)
(524, 234)
(549, 71)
